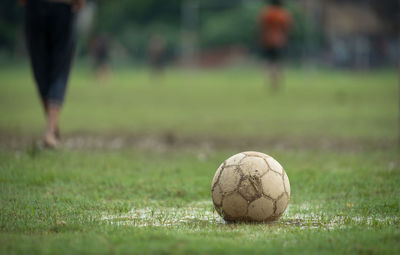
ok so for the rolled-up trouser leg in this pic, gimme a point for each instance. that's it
(50, 34)
(62, 44)
(37, 44)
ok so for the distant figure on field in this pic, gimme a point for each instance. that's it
(275, 23)
(99, 49)
(50, 38)
(156, 54)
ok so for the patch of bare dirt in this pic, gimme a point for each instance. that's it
(172, 141)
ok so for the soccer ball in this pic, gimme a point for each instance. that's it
(250, 186)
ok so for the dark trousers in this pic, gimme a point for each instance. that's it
(50, 36)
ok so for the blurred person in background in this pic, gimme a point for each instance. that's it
(99, 48)
(50, 38)
(275, 23)
(156, 55)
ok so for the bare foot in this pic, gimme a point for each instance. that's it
(57, 134)
(51, 141)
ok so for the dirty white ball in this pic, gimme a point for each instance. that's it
(250, 186)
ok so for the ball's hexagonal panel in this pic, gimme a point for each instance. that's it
(229, 179)
(250, 189)
(253, 166)
(216, 175)
(286, 182)
(234, 160)
(217, 195)
(272, 184)
(261, 209)
(281, 204)
(234, 206)
(274, 165)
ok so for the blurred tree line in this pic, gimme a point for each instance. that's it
(10, 23)
(128, 25)
(215, 24)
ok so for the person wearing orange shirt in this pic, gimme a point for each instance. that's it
(275, 22)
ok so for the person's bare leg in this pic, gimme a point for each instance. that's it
(46, 113)
(267, 81)
(44, 105)
(275, 76)
(53, 113)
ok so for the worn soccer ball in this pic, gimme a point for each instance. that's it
(250, 186)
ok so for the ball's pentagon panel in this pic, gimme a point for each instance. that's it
(249, 190)
(235, 159)
(272, 184)
(217, 195)
(261, 209)
(286, 183)
(229, 179)
(281, 204)
(234, 206)
(253, 166)
(274, 165)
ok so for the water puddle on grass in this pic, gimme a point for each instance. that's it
(149, 216)
(312, 220)
(202, 213)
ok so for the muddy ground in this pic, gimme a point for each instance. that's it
(172, 141)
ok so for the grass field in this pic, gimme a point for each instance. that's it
(134, 175)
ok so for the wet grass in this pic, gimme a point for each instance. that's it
(141, 203)
(152, 196)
